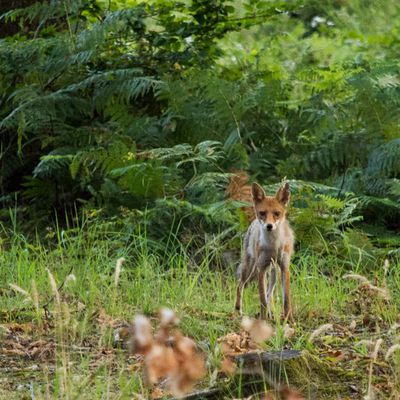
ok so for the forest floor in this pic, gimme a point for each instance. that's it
(60, 310)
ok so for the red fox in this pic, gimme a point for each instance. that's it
(269, 241)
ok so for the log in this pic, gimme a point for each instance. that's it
(255, 369)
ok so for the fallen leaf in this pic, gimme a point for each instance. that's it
(288, 331)
(258, 329)
(228, 366)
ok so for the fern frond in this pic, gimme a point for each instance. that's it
(52, 166)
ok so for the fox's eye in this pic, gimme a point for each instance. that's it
(262, 213)
(277, 214)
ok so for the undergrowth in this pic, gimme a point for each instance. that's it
(79, 313)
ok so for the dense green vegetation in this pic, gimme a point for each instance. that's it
(121, 122)
(123, 104)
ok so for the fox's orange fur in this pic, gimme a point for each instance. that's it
(268, 242)
(240, 190)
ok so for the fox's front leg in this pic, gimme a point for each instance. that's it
(285, 276)
(263, 262)
(262, 292)
(271, 287)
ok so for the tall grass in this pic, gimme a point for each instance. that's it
(83, 321)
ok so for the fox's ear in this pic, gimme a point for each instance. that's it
(283, 194)
(257, 192)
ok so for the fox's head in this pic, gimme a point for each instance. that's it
(270, 210)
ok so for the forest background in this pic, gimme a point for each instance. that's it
(121, 123)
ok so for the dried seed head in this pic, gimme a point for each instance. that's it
(319, 331)
(381, 292)
(18, 289)
(394, 328)
(35, 295)
(54, 287)
(391, 350)
(374, 354)
(369, 344)
(352, 325)
(70, 278)
(386, 266)
(118, 269)
(360, 278)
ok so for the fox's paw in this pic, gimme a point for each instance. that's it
(288, 316)
(238, 309)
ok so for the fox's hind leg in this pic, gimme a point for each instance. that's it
(285, 276)
(239, 296)
(262, 292)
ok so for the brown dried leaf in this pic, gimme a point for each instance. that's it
(13, 352)
(288, 331)
(157, 393)
(228, 366)
(104, 319)
(142, 338)
(19, 328)
(336, 355)
(237, 343)
(258, 329)
(291, 394)
(167, 317)
(160, 362)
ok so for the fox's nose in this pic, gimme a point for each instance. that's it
(269, 227)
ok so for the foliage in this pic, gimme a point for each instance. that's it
(136, 104)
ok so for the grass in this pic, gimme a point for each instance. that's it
(82, 325)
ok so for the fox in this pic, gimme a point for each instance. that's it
(269, 242)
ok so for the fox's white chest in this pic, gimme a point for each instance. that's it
(263, 240)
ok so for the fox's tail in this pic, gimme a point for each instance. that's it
(239, 189)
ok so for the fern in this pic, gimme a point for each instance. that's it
(52, 166)
(132, 106)
(383, 166)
